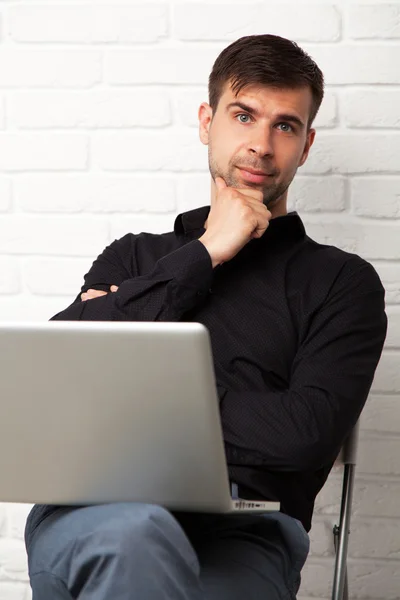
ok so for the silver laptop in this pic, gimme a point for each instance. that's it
(111, 412)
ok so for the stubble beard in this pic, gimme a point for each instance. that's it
(271, 192)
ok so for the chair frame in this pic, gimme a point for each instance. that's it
(341, 532)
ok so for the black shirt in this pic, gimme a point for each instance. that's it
(297, 329)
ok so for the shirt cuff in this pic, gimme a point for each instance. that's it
(190, 266)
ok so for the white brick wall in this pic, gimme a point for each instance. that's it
(98, 136)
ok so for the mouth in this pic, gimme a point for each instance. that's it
(254, 176)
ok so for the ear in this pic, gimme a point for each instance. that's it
(309, 143)
(205, 117)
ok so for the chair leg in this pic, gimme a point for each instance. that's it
(341, 535)
(345, 594)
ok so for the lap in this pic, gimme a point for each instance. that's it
(78, 532)
(249, 556)
(239, 556)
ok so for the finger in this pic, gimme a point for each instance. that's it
(91, 294)
(260, 230)
(84, 296)
(220, 183)
(95, 293)
(113, 288)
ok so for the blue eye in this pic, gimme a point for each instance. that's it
(245, 117)
(285, 127)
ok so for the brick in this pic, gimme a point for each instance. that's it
(321, 536)
(393, 334)
(5, 194)
(376, 498)
(387, 374)
(390, 276)
(88, 24)
(194, 191)
(56, 276)
(91, 109)
(327, 115)
(2, 113)
(66, 236)
(360, 237)
(36, 67)
(119, 226)
(372, 108)
(190, 65)
(376, 197)
(152, 151)
(13, 560)
(328, 500)
(370, 244)
(307, 21)
(375, 21)
(341, 234)
(13, 591)
(381, 413)
(10, 276)
(233, 3)
(3, 520)
(186, 105)
(28, 592)
(53, 193)
(376, 538)
(95, 193)
(25, 307)
(379, 456)
(318, 194)
(355, 152)
(316, 577)
(371, 498)
(366, 578)
(348, 63)
(40, 151)
(16, 519)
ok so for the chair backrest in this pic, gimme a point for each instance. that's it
(348, 453)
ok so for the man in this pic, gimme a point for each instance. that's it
(297, 329)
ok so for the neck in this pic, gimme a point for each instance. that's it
(279, 207)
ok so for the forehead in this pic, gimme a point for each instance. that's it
(271, 99)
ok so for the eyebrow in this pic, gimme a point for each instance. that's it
(255, 112)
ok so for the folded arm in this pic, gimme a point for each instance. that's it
(176, 284)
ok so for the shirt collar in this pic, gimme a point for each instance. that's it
(290, 226)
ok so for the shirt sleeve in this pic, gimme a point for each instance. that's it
(303, 428)
(178, 282)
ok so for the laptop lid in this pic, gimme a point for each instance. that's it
(97, 412)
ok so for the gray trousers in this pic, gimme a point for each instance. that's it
(143, 552)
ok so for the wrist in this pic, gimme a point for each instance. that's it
(208, 246)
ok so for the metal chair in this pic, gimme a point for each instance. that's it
(347, 457)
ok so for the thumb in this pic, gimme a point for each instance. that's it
(220, 183)
(113, 288)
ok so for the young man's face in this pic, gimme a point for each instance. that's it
(258, 138)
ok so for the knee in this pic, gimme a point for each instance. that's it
(131, 525)
(126, 533)
(145, 529)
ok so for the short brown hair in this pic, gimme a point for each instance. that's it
(268, 60)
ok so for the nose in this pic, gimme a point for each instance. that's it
(261, 142)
